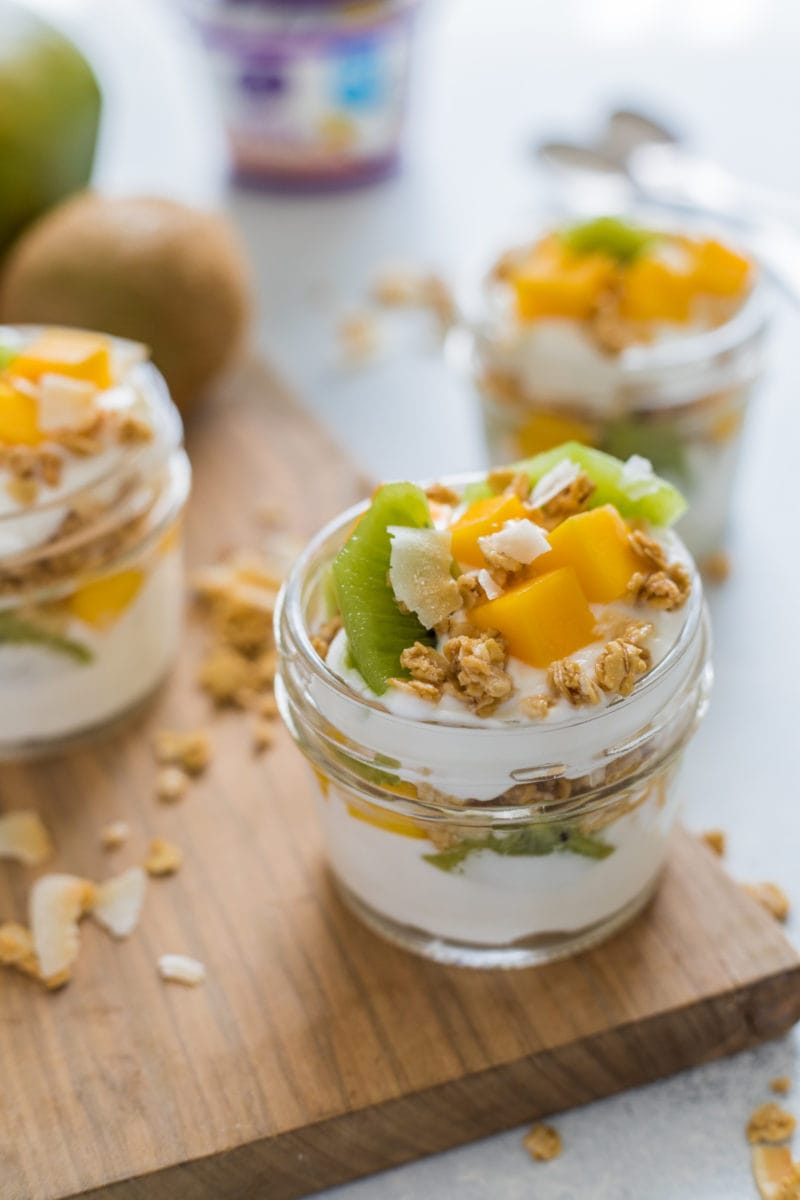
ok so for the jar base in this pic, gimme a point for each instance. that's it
(527, 952)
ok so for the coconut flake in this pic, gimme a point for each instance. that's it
(118, 901)
(24, 838)
(554, 481)
(179, 968)
(64, 403)
(638, 477)
(489, 584)
(519, 539)
(57, 903)
(420, 575)
(772, 1165)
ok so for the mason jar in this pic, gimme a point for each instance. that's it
(91, 576)
(679, 401)
(496, 845)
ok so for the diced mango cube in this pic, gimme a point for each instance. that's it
(382, 818)
(655, 291)
(595, 544)
(100, 602)
(542, 619)
(720, 271)
(545, 430)
(71, 352)
(553, 282)
(481, 518)
(19, 425)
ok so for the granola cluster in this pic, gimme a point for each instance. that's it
(470, 666)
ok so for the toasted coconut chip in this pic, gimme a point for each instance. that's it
(57, 903)
(179, 968)
(24, 838)
(118, 901)
(163, 857)
(520, 540)
(16, 950)
(489, 584)
(420, 573)
(772, 1166)
(553, 482)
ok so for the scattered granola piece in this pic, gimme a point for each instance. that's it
(226, 675)
(16, 950)
(163, 857)
(781, 1085)
(771, 897)
(572, 681)
(536, 706)
(570, 500)
(715, 840)
(470, 590)
(57, 903)
(24, 838)
(666, 590)
(770, 1123)
(439, 493)
(619, 665)
(263, 736)
(543, 1143)
(649, 549)
(171, 784)
(322, 639)
(358, 337)
(191, 751)
(268, 707)
(114, 835)
(179, 968)
(118, 901)
(716, 567)
(416, 687)
(425, 664)
(22, 491)
(478, 669)
(776, 1176)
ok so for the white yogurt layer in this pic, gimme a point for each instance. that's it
(495, 900)
(46, 695)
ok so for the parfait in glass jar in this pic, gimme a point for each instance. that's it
(633, 339)
(494, 680)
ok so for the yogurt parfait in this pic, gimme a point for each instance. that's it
(494, 679)
(93, 482)
(633, 339)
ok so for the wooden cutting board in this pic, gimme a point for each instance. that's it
(315, 1053)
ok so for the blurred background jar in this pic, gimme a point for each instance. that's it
(313, 92)
(635, 342)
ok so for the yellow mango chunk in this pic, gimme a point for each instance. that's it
(545, 430)
(720, 271)
(102, 601)
(542, 619)
(19, 424)
(654, 291)
(481, 518)
(390, 822)
(552, 282)
(595, 544)
(71, 352)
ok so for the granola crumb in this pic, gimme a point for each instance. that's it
(478, 672)
(22, 491)
(663, 589)
(715, 840)
(191, 750)
(619, 665)
(781, 1085)
(171, 784)
(543, 1143)
(114, 835)
(163, 857)
(415, 687)
(572, 681)
(769, 1123)
(771, 897)
(470, 590)
(321, 641)
(24, 837)
(438, 493)
(268, 707)
(225, 675)
(263, 736)
(536, 706)
(716, 567)
(425, 664)
(570, 500)
(649, 549)
(358, 337)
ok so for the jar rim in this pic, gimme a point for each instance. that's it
(289, 609)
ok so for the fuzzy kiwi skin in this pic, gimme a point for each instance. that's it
(141, 267)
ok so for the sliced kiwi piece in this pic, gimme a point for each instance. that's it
(377, 631)
(635, 493)
(619, 239)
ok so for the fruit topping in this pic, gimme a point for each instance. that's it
(596, 545)
(483, 517)
(541, 619)
(69, 352)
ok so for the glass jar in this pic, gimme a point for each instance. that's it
(680, 402)
(313, 91)
(565, 826)
(91, 583)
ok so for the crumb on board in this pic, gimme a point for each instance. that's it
(171, 784)
(24, 838)
(771, 897)
(114, 835)
(781, 1085)
(543, 1143)
(180, 968)
(189, 750)
(716, 568)
(163, 857)
(715, 840)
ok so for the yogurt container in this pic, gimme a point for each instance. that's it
(313, 92)
(93, 482)
(631, 339)
(518, 811)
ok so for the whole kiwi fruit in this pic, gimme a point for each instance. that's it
(141, 267)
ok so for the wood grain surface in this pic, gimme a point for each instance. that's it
(314, 1053)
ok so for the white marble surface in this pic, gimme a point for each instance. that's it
(492, 77)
